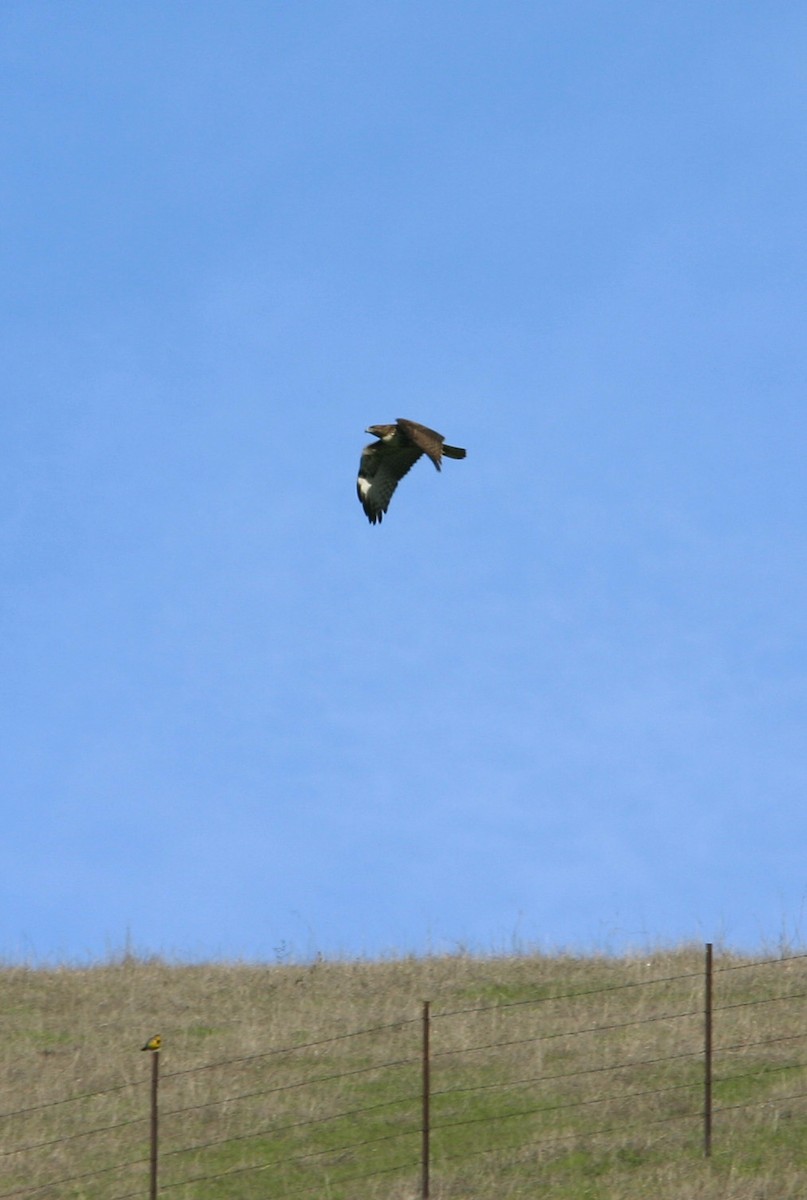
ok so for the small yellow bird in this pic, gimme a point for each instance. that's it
(153, 1043)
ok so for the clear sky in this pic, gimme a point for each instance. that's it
(558, 698)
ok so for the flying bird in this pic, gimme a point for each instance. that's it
(385, 462)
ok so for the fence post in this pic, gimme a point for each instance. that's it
(426, 1122)
(155, 1081)
(707, 1055)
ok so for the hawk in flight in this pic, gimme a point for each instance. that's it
(385, 462)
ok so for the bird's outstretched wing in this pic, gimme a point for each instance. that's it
(427, 440)
(430, 441)
(382, 467)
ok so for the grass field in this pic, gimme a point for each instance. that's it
(552, 1076)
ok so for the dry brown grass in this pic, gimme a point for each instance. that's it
(554, 1075)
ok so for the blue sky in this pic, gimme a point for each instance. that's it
(558, 697)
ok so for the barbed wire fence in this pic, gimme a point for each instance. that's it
(438, 1093)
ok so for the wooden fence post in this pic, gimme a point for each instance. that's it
(707, 1055)
(426, 1116)
(155, 1082)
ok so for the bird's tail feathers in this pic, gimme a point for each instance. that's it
(453, 451)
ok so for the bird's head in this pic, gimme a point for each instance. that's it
(381, 431)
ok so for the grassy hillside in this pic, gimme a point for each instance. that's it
(556, 1076)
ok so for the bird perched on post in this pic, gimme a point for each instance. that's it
(153, 1043)
(385, 462)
